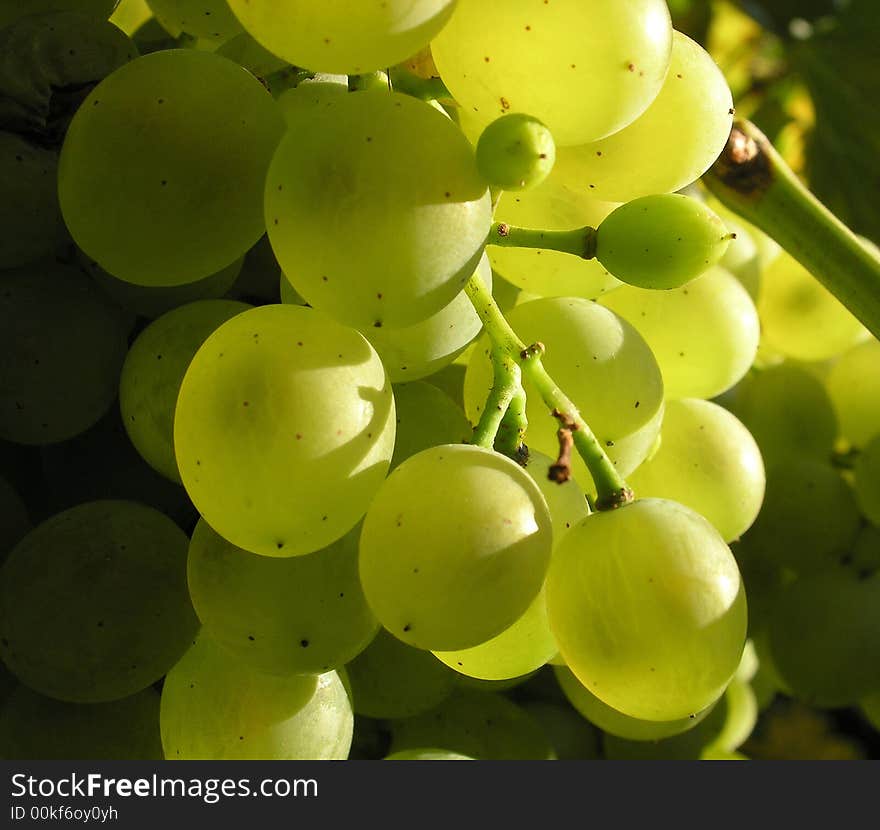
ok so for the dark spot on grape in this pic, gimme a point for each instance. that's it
(407, 627)
(279, 545)
(245, 403)
(377, 324)
(251, 637)
(304, 643)
(638, 403)
(100, 623)
(299, 436)
(609, 443)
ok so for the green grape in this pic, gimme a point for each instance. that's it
(794, 306)
(854, 387)
(516, 152)
(29, 212)
(63, 344)
(867, 481)
(208, 19)
(260, 275)
(130, 15)
(93, 602)
(704, 334)
(544, 58)
(12, 10)
(339, 36)
(686, 746)
(375, 209)
(288, 293)
(588, 348)
(739, 723)
(215, 708)
(670, 145)
(743, 256)
(527, 644)
(662, 241)
(648, 609)
(450, 379)
(423, 348)
(871, 709)
(390, 679)
(154, 301)
(708, 461)
(427, 755)
(426, 417)
(772, 402)
(572, 738)
(480, 725)
(284, 429)
(312, 94)
(246, 52)
(824, 637)
(153, 373)
(555, 207)
(189, 206)
(809, 516)
(33, 727)
(50, 61)
(455, 547)
(616, 723)
(102, 463)
(300, 615)
(14, 520)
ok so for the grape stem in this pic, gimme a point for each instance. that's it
(513, 360)
(581, 242)
(753, 180)
(425, 89)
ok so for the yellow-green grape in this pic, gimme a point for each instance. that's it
(739, 723)
(686, 746)
(572, 738)
(854, 387)
(588, 348)
(481, 725)
(743, 256)
(867, 481)
(29, 212)
(63, 343)
(543, 58)
(427, 755)
(153, 301)
(375, 209)
(662, 241)
(153, 372)
(871, 708)
(423, 348)
(300, 615)
(648, 609)
(516, 152)
(340, 36)
(794, 306)
(616, 723)
(455, 547)
(809, 517)
(527, 644)
(288, 293)
(33, 727)
(390, 679)
(189, 206)
(246, 52)
(130, 15)
(772, 402)
(284, 429)
(14, 520)
(552, 206)
(216, 708)
(11, 10)
(708, 461)
(426, 417)
(313, 93)
(824, 637)
(208, 19)
(93, 602)
(704, 334)
(670, 145)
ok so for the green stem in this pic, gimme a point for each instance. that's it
(512, 433)
(507, 384)
(580, 242)
(368, 81)
(426, 89)
(509, 351)
(753, 180)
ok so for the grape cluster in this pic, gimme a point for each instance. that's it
(268, 271)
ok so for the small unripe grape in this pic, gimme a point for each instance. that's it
(516, 152)
(661, 241)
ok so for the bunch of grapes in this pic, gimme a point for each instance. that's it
(378, 382)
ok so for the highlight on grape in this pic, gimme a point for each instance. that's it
(436, 380)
